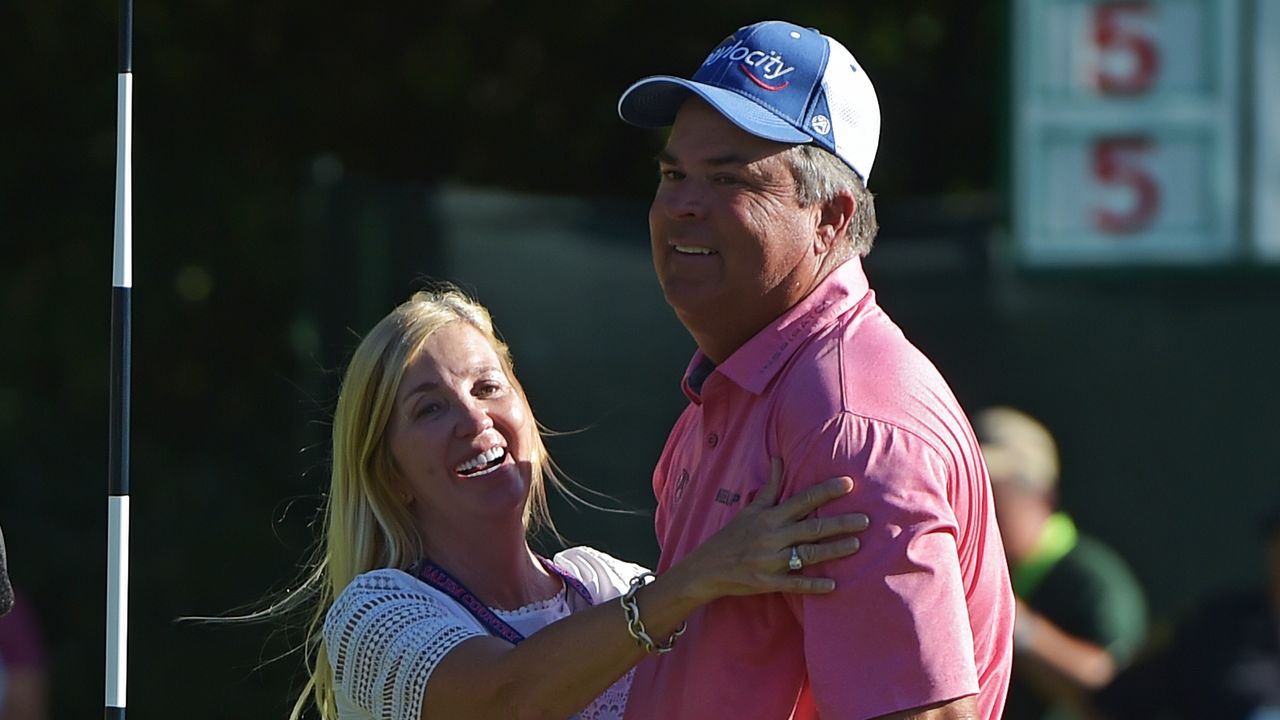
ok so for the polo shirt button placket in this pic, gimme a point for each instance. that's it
(712, 440)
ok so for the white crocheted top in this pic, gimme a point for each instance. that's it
(388, 630)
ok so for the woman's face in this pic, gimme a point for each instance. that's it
(460, 433)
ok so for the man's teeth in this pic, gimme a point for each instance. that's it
(688, 250)
(484, 458)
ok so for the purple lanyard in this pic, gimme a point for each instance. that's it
(440, 579)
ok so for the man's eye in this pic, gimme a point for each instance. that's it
(725, 180)
(671, 174)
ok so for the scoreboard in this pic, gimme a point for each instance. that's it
(1139, 137)
(1266, 168)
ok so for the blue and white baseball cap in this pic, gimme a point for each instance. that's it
(777, 81)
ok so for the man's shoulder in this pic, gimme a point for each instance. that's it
(868, 347)
(865, 367)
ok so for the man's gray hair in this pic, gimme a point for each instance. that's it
(819, 176)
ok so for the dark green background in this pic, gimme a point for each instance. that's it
(299, 167)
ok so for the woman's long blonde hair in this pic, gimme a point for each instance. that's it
(367, 525)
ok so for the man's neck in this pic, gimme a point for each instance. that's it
(713, 341)
(719, 337)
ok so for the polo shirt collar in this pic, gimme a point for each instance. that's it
(754, 365)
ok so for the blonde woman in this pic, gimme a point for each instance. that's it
(431, 603)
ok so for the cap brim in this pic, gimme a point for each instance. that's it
(654, 101)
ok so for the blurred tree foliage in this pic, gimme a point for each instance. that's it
(233, 102)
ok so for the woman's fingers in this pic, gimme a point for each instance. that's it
(817, 528)
(768, 495)
(804, 585)
(817, 553)
(752, 554)
(815, 497)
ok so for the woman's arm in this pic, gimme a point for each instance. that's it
(563, 667)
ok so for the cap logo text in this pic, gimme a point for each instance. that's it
(763, 68)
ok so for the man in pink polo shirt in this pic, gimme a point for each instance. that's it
(758, 225)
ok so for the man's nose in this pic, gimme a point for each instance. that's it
(682, 200)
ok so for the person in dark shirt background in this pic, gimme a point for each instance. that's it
(1082, 613)
(1222, 661)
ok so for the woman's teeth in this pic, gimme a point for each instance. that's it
(482, 464)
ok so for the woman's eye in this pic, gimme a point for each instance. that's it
(488, 389)
(725, 180)
(426, 408)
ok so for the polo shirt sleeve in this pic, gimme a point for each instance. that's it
(385, 635)
(895, 634)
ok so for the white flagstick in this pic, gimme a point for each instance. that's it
(121, 341)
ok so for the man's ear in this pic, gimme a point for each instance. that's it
(834, 217)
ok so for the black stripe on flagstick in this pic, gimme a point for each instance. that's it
(118, 470)
(126, 36)
(115, 713)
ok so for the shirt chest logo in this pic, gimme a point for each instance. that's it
(725, 496)
(681, 482)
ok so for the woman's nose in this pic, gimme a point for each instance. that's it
(474, 419)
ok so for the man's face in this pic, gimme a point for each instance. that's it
(1021, 514)
(732, 246)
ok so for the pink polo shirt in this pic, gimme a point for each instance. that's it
(922, 613)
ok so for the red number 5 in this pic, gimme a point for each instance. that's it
(1115, 40)
(1115, 164)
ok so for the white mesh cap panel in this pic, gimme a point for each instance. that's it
(855, 111)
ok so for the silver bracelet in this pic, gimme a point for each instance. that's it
(635, 626)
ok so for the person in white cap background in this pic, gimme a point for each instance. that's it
(1082, 614)
(758, 226)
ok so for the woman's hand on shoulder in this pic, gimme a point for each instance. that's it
(752, 554)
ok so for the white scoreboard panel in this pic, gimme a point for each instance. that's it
(1126, 131)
